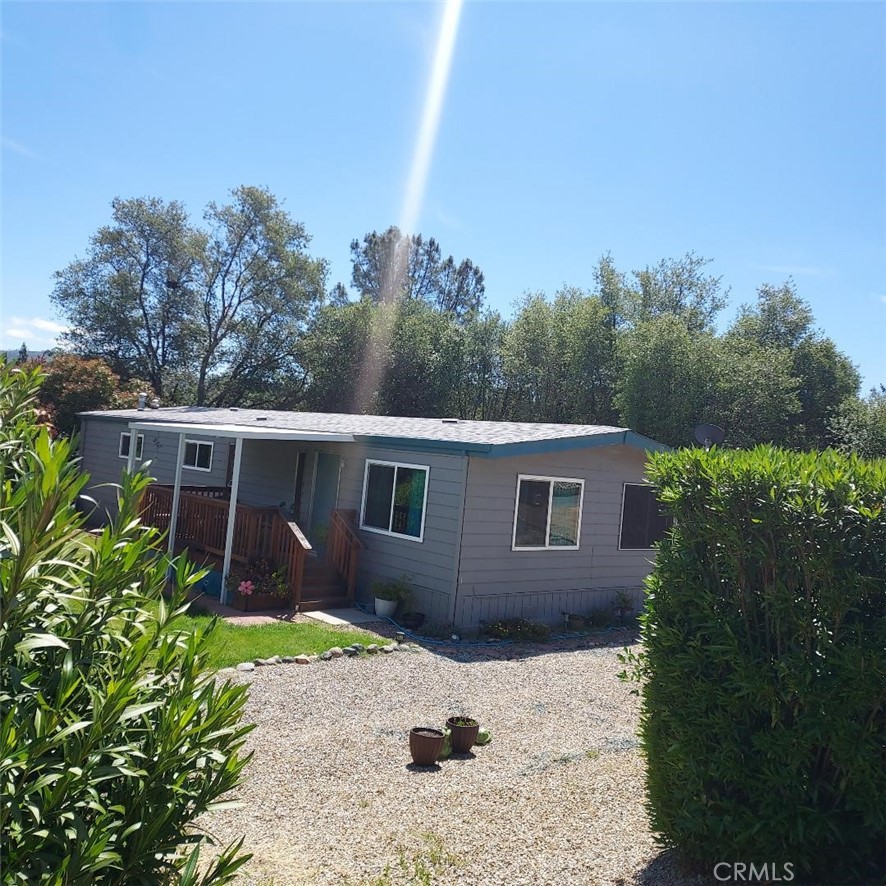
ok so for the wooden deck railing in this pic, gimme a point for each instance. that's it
(203, 522)
(343, 547)
(288, 545)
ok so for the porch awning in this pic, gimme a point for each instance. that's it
(244, 432)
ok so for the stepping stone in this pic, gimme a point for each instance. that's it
(246, 666)
(372, 648)
(302, 659)
(336, 652)
(349, 651)
(325, 656)
(359, 647)
(287, 659)
(387, 649)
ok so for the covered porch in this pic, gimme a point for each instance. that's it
(234, 536)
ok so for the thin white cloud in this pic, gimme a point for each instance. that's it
(36, 332)
(883, 299)
(48, 325)
(18, 148)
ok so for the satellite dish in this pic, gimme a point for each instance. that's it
(709, 435)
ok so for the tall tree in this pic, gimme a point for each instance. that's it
(666, 382)
(22, 354)
(559, 359)
(755, 396)
(393, 267)
(124, 301)
(210, 315)
(782, 321)
(860, 424)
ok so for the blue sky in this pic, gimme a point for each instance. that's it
(753, 133)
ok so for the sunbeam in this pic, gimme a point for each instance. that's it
(372, 370)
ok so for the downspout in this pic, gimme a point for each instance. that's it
(232, 518)
(461, 529)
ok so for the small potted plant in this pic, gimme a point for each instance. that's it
(464, 733)
(574, 622)
(388, 596)
(624, 605)
(425, 745)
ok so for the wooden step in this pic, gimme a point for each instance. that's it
(332, 602)
(314, 592)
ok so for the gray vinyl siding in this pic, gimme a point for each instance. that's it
(267, 473)
(100, 445)
(496, 582)
(429, 565)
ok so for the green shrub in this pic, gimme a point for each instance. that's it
(114, 736)
(397, 590)
(520, 630)
(765, 652)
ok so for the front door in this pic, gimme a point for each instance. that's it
(325, 496)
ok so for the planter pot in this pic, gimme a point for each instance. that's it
(463, 737)
(425, 745)
(411, 620)
(385, 608)
(257, 603)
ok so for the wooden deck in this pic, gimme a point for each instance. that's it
(262, 533)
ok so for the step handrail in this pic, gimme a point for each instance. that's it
(343, 547)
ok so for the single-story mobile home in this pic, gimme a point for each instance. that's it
(485, 520)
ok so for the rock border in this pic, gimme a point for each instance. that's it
(355, 650)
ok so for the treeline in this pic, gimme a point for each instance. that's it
(235, 311)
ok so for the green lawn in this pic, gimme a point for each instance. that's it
(230, 644)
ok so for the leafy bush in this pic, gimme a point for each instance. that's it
(397, 590)
(765, 651)
(114, 735)
(520, 630)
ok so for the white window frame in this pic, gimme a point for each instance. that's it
(139, 445)
(424, 504)
(198, 443)
(547, 546)
(621, 519)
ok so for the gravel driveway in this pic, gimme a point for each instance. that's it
(331, 796)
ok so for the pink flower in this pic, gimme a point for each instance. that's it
(246, 587)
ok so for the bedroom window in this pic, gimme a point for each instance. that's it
(547, 513)
(394, 499)
(198, 455)
(126, 439)
(642, 522)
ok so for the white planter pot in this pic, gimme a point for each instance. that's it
(385, 608)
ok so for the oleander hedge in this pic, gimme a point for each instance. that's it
(764, 665)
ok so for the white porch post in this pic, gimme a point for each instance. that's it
(176, 493)
(133, 442)
(232, 517)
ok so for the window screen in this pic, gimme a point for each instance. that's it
(198, 455)
(642, 522)
(126, 439)
(548, 513)
(394, 498)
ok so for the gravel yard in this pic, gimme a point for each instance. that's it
(557, 797)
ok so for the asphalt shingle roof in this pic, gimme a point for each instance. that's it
(455, 431)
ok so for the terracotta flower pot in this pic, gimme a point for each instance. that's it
(424, 745)
(464, 733)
